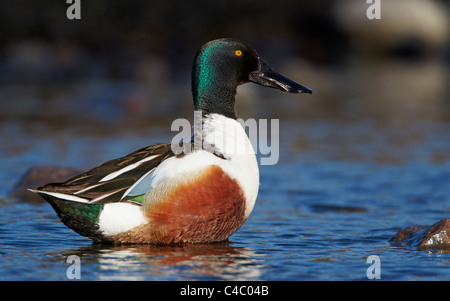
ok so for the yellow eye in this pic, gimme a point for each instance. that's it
(238, 52)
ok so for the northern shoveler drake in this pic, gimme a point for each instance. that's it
(155, 195)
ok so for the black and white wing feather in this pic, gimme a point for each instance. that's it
(111, 181)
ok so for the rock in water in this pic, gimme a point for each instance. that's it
(436, 236)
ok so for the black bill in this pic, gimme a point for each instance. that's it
(268, 77)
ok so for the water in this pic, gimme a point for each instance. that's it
(341, 190)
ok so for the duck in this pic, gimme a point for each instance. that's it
(161, 195)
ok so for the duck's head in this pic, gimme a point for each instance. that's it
(222, 65)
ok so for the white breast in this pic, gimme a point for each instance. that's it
(227, 137)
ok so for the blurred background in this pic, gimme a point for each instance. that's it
(128, 63)
(124, 69)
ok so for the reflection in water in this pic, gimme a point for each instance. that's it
(194, 261)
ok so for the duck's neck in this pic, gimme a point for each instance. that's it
(215, 99)
(220, 135)
(213, 88)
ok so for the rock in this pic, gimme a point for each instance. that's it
(436, 236)
(38, 176)
(422, 24)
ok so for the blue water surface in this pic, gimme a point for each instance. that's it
(339, 192)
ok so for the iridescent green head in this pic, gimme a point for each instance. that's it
(222, 65)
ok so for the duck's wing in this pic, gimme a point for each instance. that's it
(111, 181)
